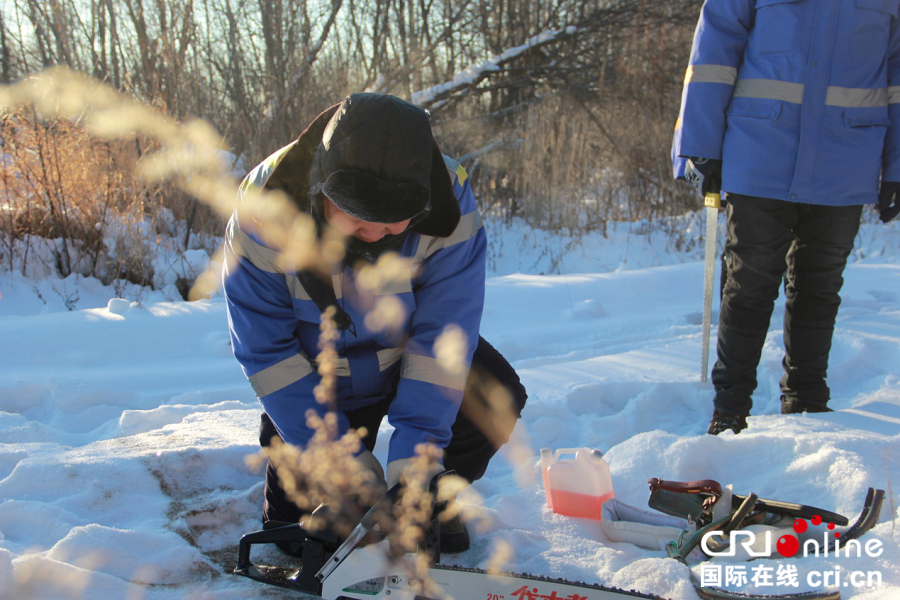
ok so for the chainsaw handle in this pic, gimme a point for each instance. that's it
(792, 509)
(700, 486)
(291, 532)
(738, 516)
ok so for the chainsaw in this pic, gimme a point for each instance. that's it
(364, 567)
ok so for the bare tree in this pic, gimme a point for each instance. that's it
(5, 56)
(515, 86)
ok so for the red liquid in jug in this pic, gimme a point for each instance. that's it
(573, 504)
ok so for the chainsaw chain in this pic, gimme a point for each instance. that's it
(557, 580)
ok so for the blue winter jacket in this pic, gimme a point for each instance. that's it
(275, 327)
(799, 98)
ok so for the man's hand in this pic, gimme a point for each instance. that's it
(368, 461)
(400, 471)
(371, 488)
(888, 205)
(705, 174)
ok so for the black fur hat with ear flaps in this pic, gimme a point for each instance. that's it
(375, 157)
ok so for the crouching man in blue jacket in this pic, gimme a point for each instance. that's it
(371, 169)
(792, 105)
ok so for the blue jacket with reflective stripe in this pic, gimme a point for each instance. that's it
(274, 327)
(799, 98)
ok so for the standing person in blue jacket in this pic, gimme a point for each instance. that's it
(370, 168)
(792, 107)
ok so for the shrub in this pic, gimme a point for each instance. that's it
(74, 204)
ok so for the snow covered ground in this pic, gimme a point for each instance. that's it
(124, 426)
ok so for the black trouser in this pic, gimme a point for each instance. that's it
(477, 434)
(770, 241)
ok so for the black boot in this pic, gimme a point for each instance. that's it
(721, 421)
(794, 406)
(454, 536)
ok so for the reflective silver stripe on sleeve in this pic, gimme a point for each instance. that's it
(424, 242)
(242, 244)
(296, 288)
(468, 227)
(386, 358)
(856, 97)
(299, 292)
(280, 375)
(395, 286)
(391, 287)
(341, 367)
(710, 74)
(427, 369)
(769, 88)
(894, 94)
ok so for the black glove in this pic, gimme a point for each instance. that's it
(705, 174)
(888, 205)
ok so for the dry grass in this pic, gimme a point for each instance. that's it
(83, 191)
(84, 194)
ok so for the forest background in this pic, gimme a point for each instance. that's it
(562, 111)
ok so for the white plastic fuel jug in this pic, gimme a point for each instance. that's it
(576, 487)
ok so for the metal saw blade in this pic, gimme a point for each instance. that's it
(394, 582)
(509, 586)
(712, 223)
